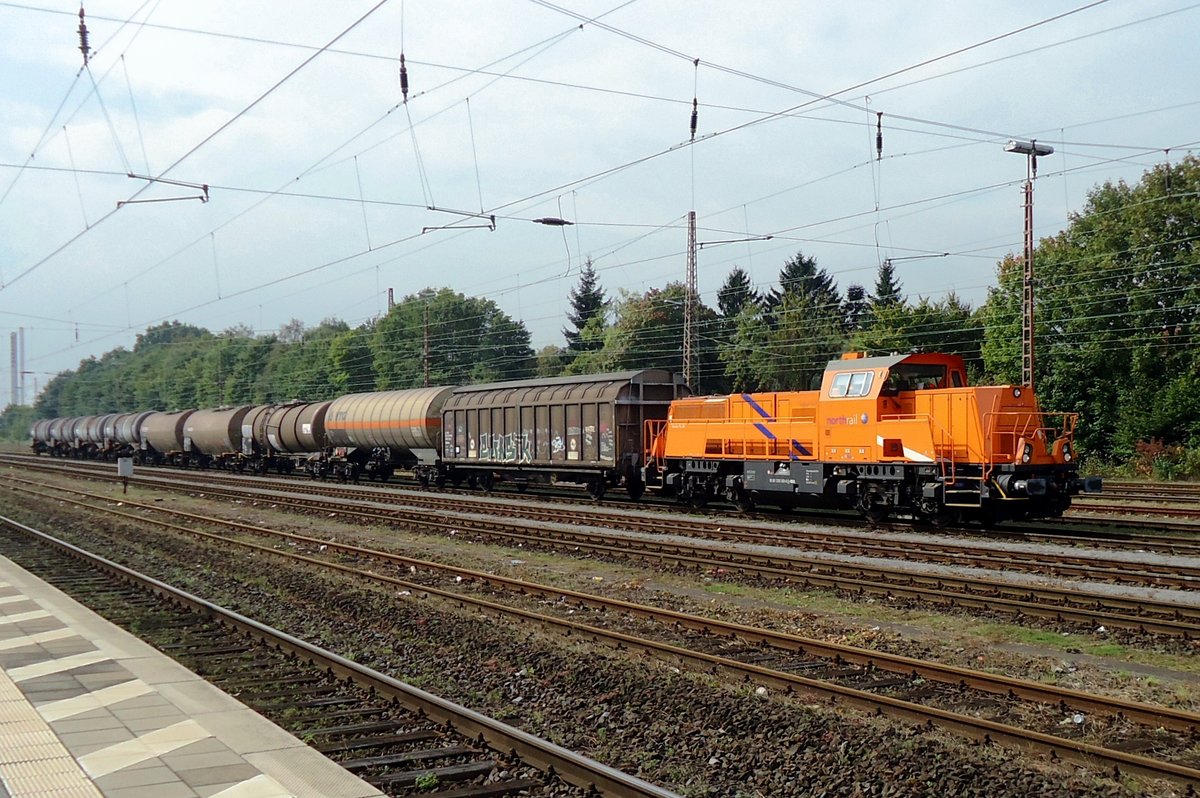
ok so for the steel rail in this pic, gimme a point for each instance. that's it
(1146, 714)
(1049, 529)
(1020, 600)
(574, 768)
(856, 543)
(1120, 762)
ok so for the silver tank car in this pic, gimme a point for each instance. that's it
(58, 429)
(215, 433)
(41, 430)
(254, 426)
(40, 433)
(296, 428)
(76, 430)
(94, 428)
(128, 428)
(162, 434)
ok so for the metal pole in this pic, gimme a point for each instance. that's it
(1027, 328)
(689, 306)
(15, 366)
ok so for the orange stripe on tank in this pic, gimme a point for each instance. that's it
(382, 424)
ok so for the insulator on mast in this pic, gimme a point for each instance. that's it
(879, 135)
(695, 114)
(403, 78)
(83, 38)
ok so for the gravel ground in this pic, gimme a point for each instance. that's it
(677, 729)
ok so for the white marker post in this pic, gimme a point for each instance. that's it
(125, 471)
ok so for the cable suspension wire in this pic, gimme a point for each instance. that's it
(30, 269)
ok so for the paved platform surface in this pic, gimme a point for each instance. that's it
(86, 710)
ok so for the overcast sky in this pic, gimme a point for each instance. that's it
(320, 178)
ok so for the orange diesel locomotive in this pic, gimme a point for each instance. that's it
(900, 434)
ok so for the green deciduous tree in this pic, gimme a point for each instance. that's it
(1118, 300)
(470, 340)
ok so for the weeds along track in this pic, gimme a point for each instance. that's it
(1011, 712)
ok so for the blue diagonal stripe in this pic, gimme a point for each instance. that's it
(798, 447)
(763, 429)
(748, 399)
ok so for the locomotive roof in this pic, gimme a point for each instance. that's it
(887, 361)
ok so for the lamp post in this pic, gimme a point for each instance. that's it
(1031, 150)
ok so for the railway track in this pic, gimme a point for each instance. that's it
(1120, 530)
(746, 529)
(971, 703)
(1051, 603)
(402, 740)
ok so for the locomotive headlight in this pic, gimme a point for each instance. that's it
(1067, 454)
(1027, 453)
(1016, 393)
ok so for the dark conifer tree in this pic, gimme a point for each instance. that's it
(887, 289)
(801, 277)
(855, 308)
(736, 293)
(587, 301)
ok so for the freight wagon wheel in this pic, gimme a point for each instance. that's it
(487, 481)
(439, 481)
(635, 488)
(596, 488)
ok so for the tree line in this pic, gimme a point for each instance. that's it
(1118, 294)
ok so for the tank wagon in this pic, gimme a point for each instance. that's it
(279, 436)
(899, 434)
(584, 430)
(375, 433)
(40, 434)
(127, 432)
(162, 438)
(214, 436)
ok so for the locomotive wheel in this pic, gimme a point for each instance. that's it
(873, 507)
(744, 502)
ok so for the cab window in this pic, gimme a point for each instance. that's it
(851, 384)
(860, 383)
